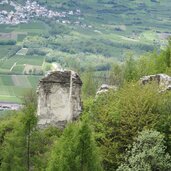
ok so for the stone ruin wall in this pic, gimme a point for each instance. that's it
(163, 81)
(59, 99)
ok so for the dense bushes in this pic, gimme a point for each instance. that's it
(147, 153)
(125, 130)
(147, 64)
(36, 52)
(7, 42)
(118, 117)
(13, 50)
(115, 120)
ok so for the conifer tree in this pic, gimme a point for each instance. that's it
(76, 150)
(130, 69)
(116, 75)
(89, 85)
(15, 151)
(87, 151)
(168, 54)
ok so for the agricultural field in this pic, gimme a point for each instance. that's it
(13, 87)
(104, 33)
(4, 50)
(8, 36)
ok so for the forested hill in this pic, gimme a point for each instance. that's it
(115, 11)
(144, 25)
(146, 21)
(128, 12)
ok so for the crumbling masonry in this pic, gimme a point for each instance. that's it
(59, 99)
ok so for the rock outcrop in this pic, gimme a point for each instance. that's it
(59, 99)
(105, 88)
(163, 80)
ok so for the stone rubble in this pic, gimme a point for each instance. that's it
(105, 88)
(163, 80)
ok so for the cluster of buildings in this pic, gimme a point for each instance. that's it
(22, 14)
(9, 106)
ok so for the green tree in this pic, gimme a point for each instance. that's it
(88, 156)
(164, 125)
(29, 120)
(147, 154)
(130, 69)
(117, 118)
(89, 85)
(41, 142)
(168, 54)
(15, 147)
(139, 108)
(76, 150)
(116, 75)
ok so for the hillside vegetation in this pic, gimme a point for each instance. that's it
(102, 32)
(123, 130)
(105, 41)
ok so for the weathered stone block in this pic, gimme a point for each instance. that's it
(59, 99)
(163, 81)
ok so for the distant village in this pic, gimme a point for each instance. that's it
(22, 14)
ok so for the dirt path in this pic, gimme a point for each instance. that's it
(13, 66)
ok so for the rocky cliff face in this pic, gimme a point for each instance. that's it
(59, 99)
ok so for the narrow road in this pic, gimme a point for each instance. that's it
(13, 66)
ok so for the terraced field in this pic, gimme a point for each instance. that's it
(17, 63)
(4, 50)
(12, 86)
